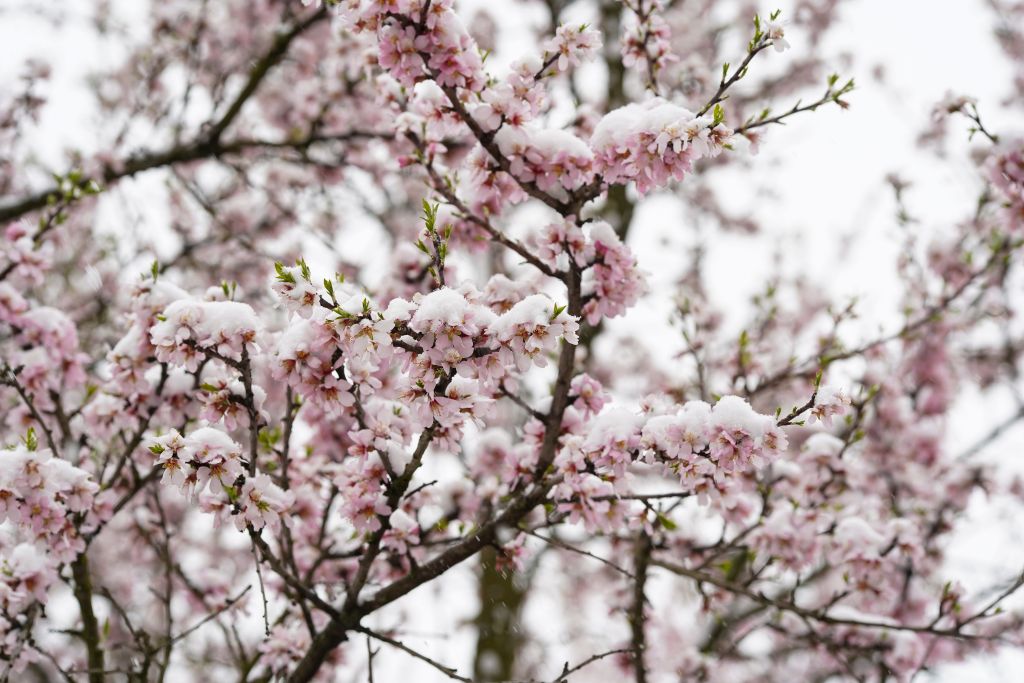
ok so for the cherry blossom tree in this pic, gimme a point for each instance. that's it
(375, 332)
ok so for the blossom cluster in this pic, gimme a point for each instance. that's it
(646, 41)
(709, 449)
(654, 142)
(443, 49)
(188, 330)
(829, 401)
(41, 494)
(26, 575)
(615, 281)
(432, 336)
(305, 360)
(376, 428)
(649, 143)
(457, 332)
(128, 361)
(555, 160)
(45, 503)
(612, 280)
(1005, 169)
(42, 343)
(208, 460)
(572, 45)
(453, 347)
(24, 257)
(705, 445)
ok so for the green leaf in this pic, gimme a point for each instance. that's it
(31, 442)
(269, 437)
(429, 216)
(283, 274)
(667, 523)
(304, 269)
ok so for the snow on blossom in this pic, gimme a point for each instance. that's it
(653, 142)
(12, 304)
(740, 437)
(304, 357)
(554, 159)
(450, 326)
(681, 434)
(707, 447)
(444, 49)
(457, 331)
(187, 328)
(27, 569)
(40, 493)
(47, 339)
(293, 287)
(223, 400)
(613, 439)
(530, 329)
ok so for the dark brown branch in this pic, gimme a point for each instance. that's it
(90, 633)
(448, 671)
(637, 623)
(787, 605)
